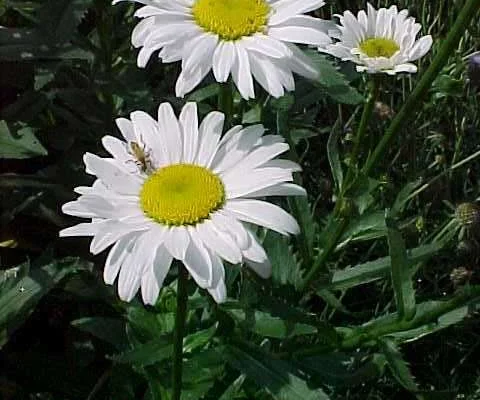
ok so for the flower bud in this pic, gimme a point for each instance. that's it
(474, 70)
(468, 214)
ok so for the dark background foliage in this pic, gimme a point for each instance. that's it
(67, 70)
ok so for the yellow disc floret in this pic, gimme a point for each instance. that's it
(379, 47)
(231, 19)
(181, 194)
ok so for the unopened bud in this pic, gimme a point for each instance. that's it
(468, 214)
(460, 276)
(474, 70)
(383, 111)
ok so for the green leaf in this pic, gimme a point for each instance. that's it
(397, 365)
(59, 18)
(403, 197)
(204, 93)
(285, 269)
(278, 377)
(334, 156)
(234, 388)
(448, 319)
(378, 269)
(345, 369)
(370, 225)
(21, 145)
(148, 353)
(30, 44)
(110, 330)
(201, 371)
(333, 82)
(198, 339)
(401, 273)
(19, 297)
(265, 324)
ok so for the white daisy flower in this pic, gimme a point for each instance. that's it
(237, 37)
(177, 190)
(381, 40)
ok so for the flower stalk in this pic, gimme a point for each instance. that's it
(180, 317)
(411, 106)
(225, 101)
(362, 128)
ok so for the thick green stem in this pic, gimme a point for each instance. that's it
(411, 106)
(369, 333)
(362, 128)
(336, 226)
(225, 101)
(182, 297)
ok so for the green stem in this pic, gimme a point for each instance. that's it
(225, 101)
(336, 226)
(411, 106)
(362, 128)
(370, 332)
(182, 297)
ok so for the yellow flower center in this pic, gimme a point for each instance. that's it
(231, 19)
(181, 194)
(379, 47)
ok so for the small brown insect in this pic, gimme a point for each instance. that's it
(142, 157)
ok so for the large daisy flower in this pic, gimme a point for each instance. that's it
(381, 40)
(177, 190)
(237, 37)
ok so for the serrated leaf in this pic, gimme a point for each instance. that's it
(198, 339)
(397, 365)
(334, 156)
(378, 269)
(21, 145)
(267, 325)
(278, 377)
(110, 330)
(365, 227)
(30, 44)
(201, 371)
(18, 299)
(401, 273)
(342, 369)
(148, 353)
(284, 266)
(60, 18)
(332, 81)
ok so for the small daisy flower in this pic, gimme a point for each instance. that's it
(175, 189)
(381, 40)
(240, 38)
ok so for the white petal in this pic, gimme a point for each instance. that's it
(221, 244)
(283, 189)
(116, 256)
(198, 262)
(111, 176)
(176, 242)
(241, 73)
(146, 131)
(210, 131)
(284, 9)
(126, 129)
(223, 60)
(226, 223)
(300, 34)
(189, 123)
(84, 229)
(169, 130)
(264, 214)
(243, 182)
(256, 258)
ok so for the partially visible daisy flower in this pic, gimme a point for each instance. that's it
(177, 190)
(381, 40)
(237, 37)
